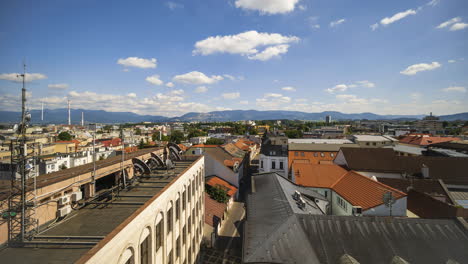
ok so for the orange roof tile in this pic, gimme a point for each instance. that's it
(424, 140)
(357, 189)
(215, 181)
(363, 191)
(317, 175)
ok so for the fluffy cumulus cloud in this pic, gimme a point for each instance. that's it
(138, 62)
(337, 22)
(338, 88)
(244, 102)
(458, 26)
(132, 95)
(170, 84)
(413, 69)
(268, 6)
(58, 86)
(154, 79)
(246, 44)
(449, 22)
(201, 89)
(231, 96)
(288, 89)
(197, 78)
(459, 89)
(15, 77)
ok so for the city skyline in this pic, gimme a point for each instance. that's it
(173, 57)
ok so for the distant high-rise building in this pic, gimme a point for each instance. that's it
(328, 119)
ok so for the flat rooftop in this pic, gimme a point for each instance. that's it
(92, 222)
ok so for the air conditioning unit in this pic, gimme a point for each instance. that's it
(357, 210)
(76, 196)
(296, 195)
(64, 211)
(64, 200)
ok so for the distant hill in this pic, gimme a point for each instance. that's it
(59, 116)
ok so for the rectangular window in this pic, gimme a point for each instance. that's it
(169, 257)
(177, 209)
(144, 251)
(184, 235)
(296, 153)
(189, 195)
(177, 251)
(159, 235)
(281, 165)
(169, 220)
(261, 164)
(184, 200)
(193, 245)
(189, 223)
(189, 255)
(193, 187)
(302, 154)
(273, 165)
(193, 216)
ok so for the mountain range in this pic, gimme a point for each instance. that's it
(59, 116)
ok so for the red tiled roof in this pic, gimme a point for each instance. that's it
(317, 175)
(213, 210)
(424, 140)
(215, 181)
(363, 191)
(357, 189)
(182, 147)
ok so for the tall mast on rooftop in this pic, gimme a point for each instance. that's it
(69, 116)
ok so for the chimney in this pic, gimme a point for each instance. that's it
(425, 171)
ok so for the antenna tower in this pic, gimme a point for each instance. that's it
(22, 199)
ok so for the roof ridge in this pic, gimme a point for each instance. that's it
(379, 183)
(339, 179)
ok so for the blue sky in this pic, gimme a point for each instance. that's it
(172, 57)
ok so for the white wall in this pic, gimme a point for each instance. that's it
(337, 209)
(398, 209)
(126, 242)
(214, 167)
(267, 160)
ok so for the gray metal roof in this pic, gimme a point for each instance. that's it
(275, 233)
(407, 149)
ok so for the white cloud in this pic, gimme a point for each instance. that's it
(231, 95)
(196, 77)
(337, 88)
(230, 77)
(449, 22)
(276, 95)
(366, 84)
(244, 102)
(458, 26)
(246, 44)
(413, 69)
(289, 89)
(452, 61)
(268, 7)
(455, 89)
(270, 52)
(374, 26)
(176, 92)
(312, 21)
(415, 96)
(154, 79)
(302, 7)
(58, 86)
(397, 16)
(170, 84)
(173, 5)
(337, 22)
(15, 77)
(380, 101)
(433, 2)
(132, 95)
(138, 62)
(201, 89)
(301, 100)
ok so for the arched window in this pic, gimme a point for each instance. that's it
(159, 233)
(127, 256)
(145, 246)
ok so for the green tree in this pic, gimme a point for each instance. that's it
(107, 128)
(196, 133)
(138, 131)
(155, 136)
(63, 167)
(217, 193)
(101, 157)
(214, 141)
(293, 133)
(177, 137)
(64, 136)
(445, 124)
(142, 144)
